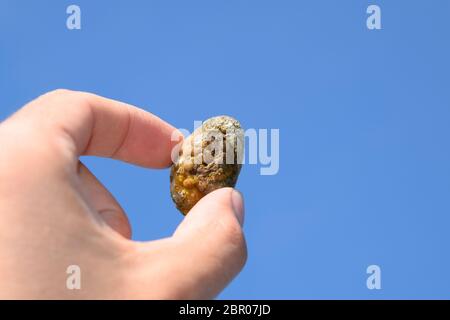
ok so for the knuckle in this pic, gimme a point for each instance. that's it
(61, 91)
(67, 101)
(66, 95)
(53, 99)
(58, 93)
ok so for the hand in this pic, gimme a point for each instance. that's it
(54, 212)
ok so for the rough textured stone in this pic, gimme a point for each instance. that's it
(209, 159)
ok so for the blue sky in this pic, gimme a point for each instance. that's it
(363, 116)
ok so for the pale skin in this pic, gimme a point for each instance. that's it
(54, 212)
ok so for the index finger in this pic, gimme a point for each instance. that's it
(107, 128)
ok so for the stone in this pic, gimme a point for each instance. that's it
(209, 159)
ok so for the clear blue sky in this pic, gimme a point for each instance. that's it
(364, 119)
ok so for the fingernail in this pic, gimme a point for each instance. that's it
(238, 205)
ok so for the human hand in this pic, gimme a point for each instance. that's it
(55, 213)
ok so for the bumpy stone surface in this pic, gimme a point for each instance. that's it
(209, 159)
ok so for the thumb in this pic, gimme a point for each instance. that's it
(212, 240)
(224, 202)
